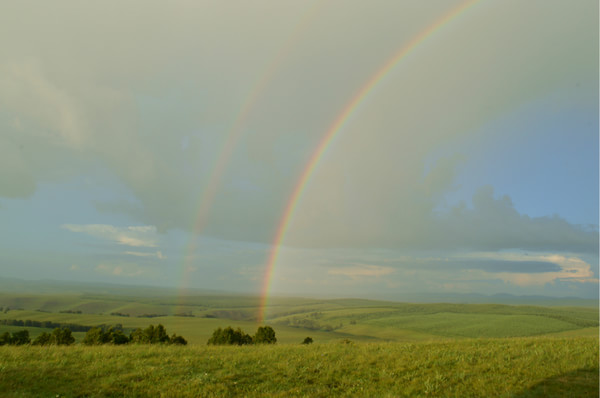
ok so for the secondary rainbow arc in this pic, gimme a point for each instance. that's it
(234, 135)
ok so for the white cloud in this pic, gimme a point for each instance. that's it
(572, 269)
(158, 254)
(135, 236)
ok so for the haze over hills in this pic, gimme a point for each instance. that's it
(49, 286)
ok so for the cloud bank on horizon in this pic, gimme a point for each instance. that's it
(471, 167)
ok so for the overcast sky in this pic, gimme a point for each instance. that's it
(160, 142)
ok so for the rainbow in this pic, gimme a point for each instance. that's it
(328, 137)
(234, 134)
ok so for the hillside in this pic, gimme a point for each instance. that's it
(195, 317)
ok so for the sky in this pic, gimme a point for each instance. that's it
(347, 148)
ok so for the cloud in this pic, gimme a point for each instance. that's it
(135, 236)
(494, 224)
(489, 224)
(157, 117)
(570, 269)
(158, 254)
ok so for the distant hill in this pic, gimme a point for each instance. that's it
(48, 286)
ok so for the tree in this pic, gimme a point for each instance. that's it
(62, 336)
(96, 336)
(160, 335)
(118, 337)
(265, 335)
(43, 339)
(21, 337)
(150, 335)
(137, 336)
(307, 340)
(5, 338)
(228, 336)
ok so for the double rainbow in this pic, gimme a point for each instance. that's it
(330, 134)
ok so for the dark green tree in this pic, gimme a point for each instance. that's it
(307, 340)
(21, 337)
(137, 336)
(177, 340)
(43, 339)
(150, 335)
(265, 335)
(5, 338)
(62, 336)
(118, 337)
(96, 336)
(160, 335)
(228, 336)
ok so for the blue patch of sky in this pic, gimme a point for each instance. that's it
(35, 222)
(545, 157)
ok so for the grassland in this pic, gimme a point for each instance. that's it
(195, 317)
(362, 348)
(516, 367)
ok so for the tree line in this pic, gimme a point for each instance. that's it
(150, 335)
(95, 336)
(59, 336)
(230, 336)
(49, 324)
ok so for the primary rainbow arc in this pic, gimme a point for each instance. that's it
(328, 137)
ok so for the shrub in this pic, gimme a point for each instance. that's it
(307, 340)
(178, 340)
(265, 335)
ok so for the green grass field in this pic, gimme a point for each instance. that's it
(517, 367)
(296, 318)
(362, 348)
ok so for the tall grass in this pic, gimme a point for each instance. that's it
(520, 367)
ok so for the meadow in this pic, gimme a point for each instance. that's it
(517, 367)
(361, 348)
(195, 317)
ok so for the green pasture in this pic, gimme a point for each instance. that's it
(296, 318)
(516, 367)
